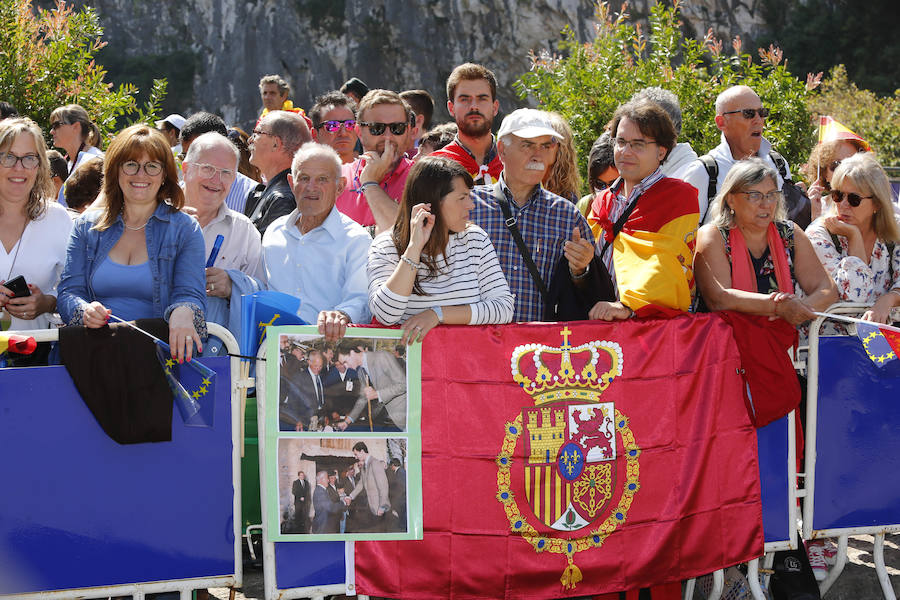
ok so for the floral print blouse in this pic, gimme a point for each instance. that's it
(856, 281)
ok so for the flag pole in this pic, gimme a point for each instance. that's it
(854, 320)
(132, 325)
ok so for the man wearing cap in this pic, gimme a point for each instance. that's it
(551, 227)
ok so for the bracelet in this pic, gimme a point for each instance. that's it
(364, 186)
(894, 291)
(583, 275)
(414, 265)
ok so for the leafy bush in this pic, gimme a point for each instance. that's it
(47, 60)
(872, 117)
(593, 78)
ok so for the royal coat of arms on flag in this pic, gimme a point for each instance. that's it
(581, 461)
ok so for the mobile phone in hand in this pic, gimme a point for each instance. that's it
(18, 287)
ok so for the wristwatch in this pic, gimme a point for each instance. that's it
(439, 312)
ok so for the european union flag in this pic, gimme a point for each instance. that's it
(193, 386)
(880, 343)
(262, 309)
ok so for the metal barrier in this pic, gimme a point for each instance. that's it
(108, 540)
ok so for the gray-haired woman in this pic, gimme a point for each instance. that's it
(750, 259)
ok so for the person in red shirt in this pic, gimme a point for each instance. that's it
(472, 102)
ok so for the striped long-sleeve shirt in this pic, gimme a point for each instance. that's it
(470, 275)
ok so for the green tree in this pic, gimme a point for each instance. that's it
(592, 79)
(47, 60)
(872, 117)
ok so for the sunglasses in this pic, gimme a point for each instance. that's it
(599, 185)
(56, 125)
(749, 113)
(335, 126)
(376, 129)
(853, 199)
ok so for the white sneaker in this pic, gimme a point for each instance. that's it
(830, 552)
(815, 550)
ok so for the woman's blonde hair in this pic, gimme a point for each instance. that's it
(43, 187)
(563, 178)
(130, 144)
(742, 175)
(867, 175)
(74, 113)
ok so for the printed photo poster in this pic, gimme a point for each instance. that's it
(343, 439)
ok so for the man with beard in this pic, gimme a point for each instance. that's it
(550, 225)
(376, 179)
(741, 117)
(472, 102)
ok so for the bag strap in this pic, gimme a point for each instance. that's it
(619, 224)
(511, 221)
(781, 164)
(712, 169)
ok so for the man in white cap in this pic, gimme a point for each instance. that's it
(550, 226)
(171, 128)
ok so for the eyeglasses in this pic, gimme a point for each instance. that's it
(208, 171)
(56, 125)
(636, 145)
(749, 113)
(398, 128)
(259, 132)
(151, 167)
(758, 197)
(348, 124)
(29, 161)
(853, 199)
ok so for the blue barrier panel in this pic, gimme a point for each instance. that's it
(79, 510)
(857, 441)
(307, 564)
(772, 442)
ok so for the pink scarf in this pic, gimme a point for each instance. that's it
(742, 275)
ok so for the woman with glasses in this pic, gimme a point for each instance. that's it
(819, 169)
(33, 228)
(72, 130)
(434, 266)
(750, 259)
(137, 255)
(857, 240)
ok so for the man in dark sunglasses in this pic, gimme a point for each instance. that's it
(741, 118)
(375, 180)
(334, 124)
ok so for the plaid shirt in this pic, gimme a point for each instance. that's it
(546, 221)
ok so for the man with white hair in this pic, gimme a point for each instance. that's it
(316, 253)
(209, 170)
(549, 226)
(741, 118)
(276, 138)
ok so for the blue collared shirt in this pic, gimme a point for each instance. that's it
(175, 251)
(546, 222)
(325, 268)
(240, 188)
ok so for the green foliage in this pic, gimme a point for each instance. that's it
(868, 115)
(594, 78)
(47, 60)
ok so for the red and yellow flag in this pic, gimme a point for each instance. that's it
(831, 130)
(19, 344)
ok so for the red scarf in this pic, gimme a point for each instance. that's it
(742, 274)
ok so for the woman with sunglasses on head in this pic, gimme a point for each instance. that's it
(857, 240)
(33, 229)
(434, 266)
(750, 259)
(137, 255)
(819, 169)
(72, 130)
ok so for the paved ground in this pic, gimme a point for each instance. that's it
(857, 582)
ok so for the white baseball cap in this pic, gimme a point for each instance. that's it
(528, 123)
(175, 120)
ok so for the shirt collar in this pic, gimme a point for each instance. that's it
(282, 175)
(645, 184)
(331, 225)
(490, 155)
(532, 196)
(222, 214)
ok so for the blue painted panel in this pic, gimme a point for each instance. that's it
(772, 441)
(79, 510)
(857, 438)
(304, 564)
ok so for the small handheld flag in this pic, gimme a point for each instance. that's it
(830, 130)
(192, 384)
(881, 344)
(20, 344)
(264, 308)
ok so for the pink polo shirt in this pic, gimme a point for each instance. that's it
(352, 202)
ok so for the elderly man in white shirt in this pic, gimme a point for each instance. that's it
(316, 253)
(209, 169)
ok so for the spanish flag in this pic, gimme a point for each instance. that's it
(830, 130)
(20, 344)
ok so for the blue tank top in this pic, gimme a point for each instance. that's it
(126, 290)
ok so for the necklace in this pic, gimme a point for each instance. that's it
(134, 228)
(18, 247)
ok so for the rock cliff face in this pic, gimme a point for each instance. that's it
(214, 51)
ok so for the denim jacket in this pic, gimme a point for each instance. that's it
(176, 254)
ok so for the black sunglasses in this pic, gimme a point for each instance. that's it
(398, 128)
(853, 199)
(749, 113)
